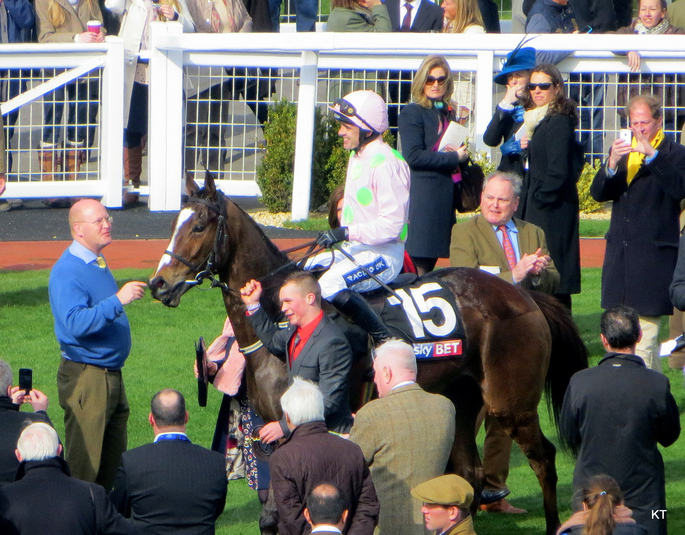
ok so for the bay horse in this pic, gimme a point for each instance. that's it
(518, 344)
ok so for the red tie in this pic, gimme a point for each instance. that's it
(508, 247)
(406, 21)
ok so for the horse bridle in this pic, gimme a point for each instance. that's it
(210, 273)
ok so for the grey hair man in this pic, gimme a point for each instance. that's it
(12, 420)
(516, 251)
(311, 455)
(386, 430)
(62, 504)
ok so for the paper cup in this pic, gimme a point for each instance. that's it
(94, 26)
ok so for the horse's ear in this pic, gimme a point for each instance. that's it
(191, 186)
(210, 188)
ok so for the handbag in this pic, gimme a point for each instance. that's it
(468, 190)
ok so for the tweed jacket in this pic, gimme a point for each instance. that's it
(343, 19)
(406, 438)
(475, 244)
(325, 359)
(642, 241)
(76, 19)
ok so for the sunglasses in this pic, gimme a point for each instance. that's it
(430, 80)
(544, 86)
(348, 110)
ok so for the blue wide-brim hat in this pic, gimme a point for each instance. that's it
(520, 59)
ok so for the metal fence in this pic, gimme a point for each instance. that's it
(210, 95)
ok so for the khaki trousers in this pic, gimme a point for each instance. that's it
(648, 347)
(95, 417)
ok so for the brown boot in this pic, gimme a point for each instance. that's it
(133, 167)
(74, 156)
(50, 161)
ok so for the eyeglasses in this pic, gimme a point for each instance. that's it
(348, 110)
(544, 86)
(99, 222)
(430, 80)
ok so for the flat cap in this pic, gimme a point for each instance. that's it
(449, 489)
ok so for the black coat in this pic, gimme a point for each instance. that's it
(311, 456)
(490, 13)
(171, 486)
(12, 422)
(677, 289)
(431, 193)
(501, 128)
(599, 15)
(550, 199)
(642, 241)
(614, 415)
(46, 499)
(325, 359)
(428, 18)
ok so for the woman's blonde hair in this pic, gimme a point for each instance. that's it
(601, 496)
(417, 85)
(467, 14)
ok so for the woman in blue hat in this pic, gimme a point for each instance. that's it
(508, 116)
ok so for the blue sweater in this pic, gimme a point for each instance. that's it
(90, 323)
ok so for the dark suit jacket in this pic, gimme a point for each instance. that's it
(325, 359)
(614, 415)
(642, 241)
(171, 486)
(312, 455)
(12, 421)
(475, 244)
(428, 17)
(45, 499)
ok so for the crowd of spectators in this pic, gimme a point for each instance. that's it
(333, 472)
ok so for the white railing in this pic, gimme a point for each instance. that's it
(306, 69)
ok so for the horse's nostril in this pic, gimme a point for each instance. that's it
(157, 282)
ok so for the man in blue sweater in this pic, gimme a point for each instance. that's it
(95, 339)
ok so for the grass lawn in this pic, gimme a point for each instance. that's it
(589, 228)
(162, 357)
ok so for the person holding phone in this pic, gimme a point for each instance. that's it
(645, 179)
(13, 420)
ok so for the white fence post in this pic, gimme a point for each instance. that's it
(165, 121)
(112, 124)
(304, 136)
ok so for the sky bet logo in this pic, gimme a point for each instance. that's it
(446, 348)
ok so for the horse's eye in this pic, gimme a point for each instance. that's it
(198, 228)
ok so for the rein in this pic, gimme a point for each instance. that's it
(210, 272)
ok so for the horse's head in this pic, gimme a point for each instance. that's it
(196, 244)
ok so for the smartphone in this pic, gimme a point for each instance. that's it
(626, 135)
(26, 379)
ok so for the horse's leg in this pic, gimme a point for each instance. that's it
(268, 519)
(464, 459)
(525, 430)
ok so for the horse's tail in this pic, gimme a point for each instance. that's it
(568, 355)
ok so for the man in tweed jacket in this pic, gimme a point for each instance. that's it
(406, 437)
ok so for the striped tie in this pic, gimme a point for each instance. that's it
(508, 247)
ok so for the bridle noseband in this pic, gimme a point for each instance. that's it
(209, 273)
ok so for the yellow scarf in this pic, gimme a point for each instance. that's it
(635, 159)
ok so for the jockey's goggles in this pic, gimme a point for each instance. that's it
(345, 109)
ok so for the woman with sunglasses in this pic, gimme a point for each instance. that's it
(550, 196)
(434, 173)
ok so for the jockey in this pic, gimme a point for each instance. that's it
(374, 217)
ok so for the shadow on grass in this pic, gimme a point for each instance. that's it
(26, 297)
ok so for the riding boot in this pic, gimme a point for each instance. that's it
(133, 167)
(50, 161)
(358, 309)
(74, 156)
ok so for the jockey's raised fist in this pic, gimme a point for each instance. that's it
(328, 238)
